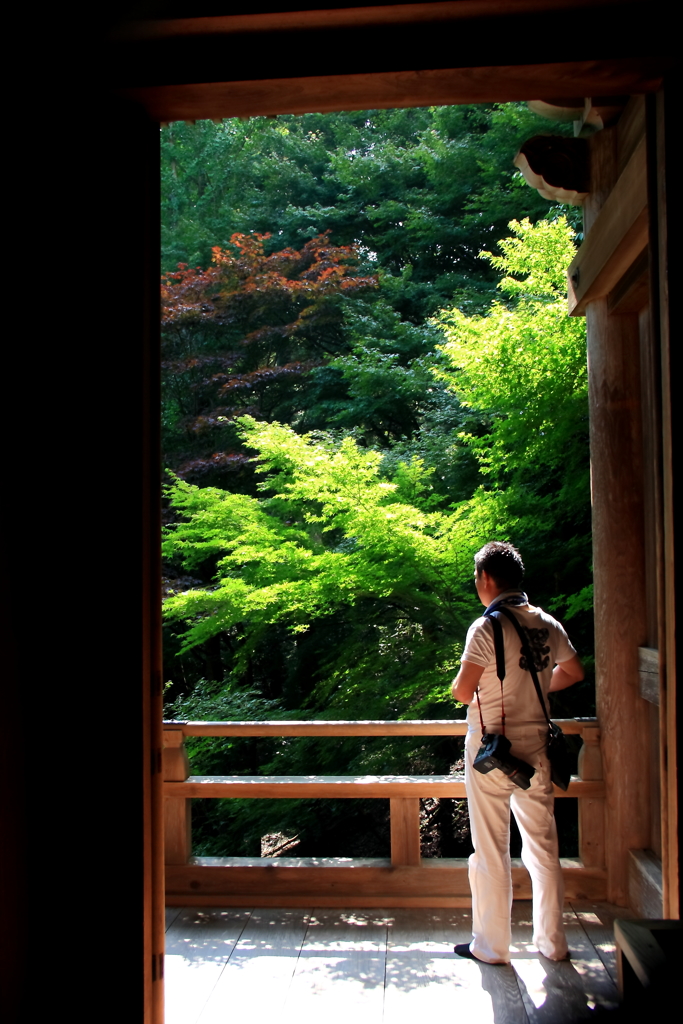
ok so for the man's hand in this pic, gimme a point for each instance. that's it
(466, 681)
(566, 674)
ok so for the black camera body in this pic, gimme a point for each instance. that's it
(494, 752)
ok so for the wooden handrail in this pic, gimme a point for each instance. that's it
(421, 883)
(344, 786)
(433, 727)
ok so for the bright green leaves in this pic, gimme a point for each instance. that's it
(329, 532)
(523, 365)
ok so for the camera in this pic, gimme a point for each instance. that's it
(494, 752)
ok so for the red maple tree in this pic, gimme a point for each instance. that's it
(240, 332)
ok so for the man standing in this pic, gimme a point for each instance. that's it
(514, 710)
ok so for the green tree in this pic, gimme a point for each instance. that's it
(522, 369)
(340, 586)
(421, 190)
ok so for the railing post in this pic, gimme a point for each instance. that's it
(177, 810)
(405, 831)
(591, 809)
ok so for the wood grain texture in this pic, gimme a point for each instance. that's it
(342, 787)
(292, 881)
(591, 811)
(618, 561)
(364, 903)
(177, 830)
(438, 727)
(175, 763)
(648, 674)
(632, 292)
(339, 974)
(357, 17)
(405, 831)
(663, 127)
(387, 966)
(652, 510)
(630, 130)
(256, 979)
(555, 991)
(441, 727)
(177, 810)
(198, 946)
(391, 89)
(616, 238)
(597, 920)
(649, 963)
(171, 914)
(645, 884)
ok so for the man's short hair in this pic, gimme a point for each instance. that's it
(503, 562)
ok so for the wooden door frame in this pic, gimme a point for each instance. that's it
(169, 100)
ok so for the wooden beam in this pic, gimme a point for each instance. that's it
(426, 727)
(616, 239)
(292, 881)
(342, 787)
(632, 292)
(326, 93)
(339, 18)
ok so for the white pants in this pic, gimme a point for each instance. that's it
(490, 798)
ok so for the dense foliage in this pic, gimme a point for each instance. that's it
(345, 430)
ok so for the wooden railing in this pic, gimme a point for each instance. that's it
(404, 880)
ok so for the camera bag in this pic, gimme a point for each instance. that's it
(558, 752)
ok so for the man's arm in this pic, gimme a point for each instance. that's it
(566, 673)
(466, 681)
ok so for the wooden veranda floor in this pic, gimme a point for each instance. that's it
(291, 966)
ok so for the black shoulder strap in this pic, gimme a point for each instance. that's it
(498, 643)
(526, 650)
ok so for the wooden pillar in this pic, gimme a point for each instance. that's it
(618, 564)
(666, 203)
(177, 810)
(591, 809)
(405, 831)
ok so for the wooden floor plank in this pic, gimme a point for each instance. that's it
(339, 976)
(255, 981)
(598, 986)
(376, 967)
(570, 990)
(428, 930)
(199, 943)
(171, 915)
(597, 921)
(424, 978)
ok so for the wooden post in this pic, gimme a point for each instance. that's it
(405, 831)
(177, 810)
(618, 565)
(591, 809)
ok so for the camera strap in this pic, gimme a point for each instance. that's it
(526, 651)
(499, 648)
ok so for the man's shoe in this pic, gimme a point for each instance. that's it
(463, 949)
